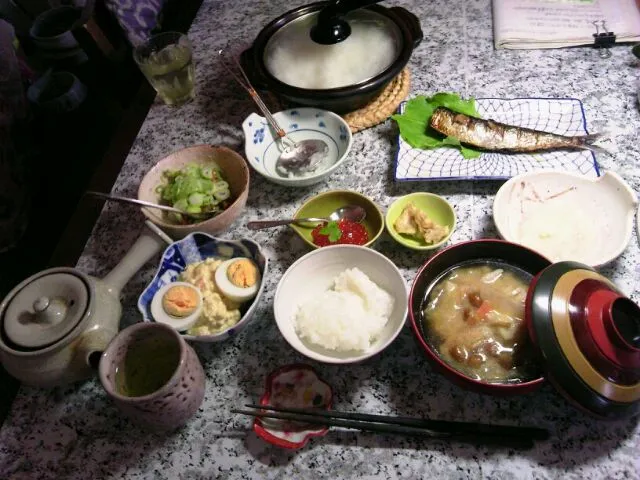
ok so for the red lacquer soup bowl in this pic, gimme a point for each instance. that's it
(498, 253)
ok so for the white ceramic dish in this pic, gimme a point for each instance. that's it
(262, 151)
(314, 273)
(564, 116)
(565, 216)
(638, 225)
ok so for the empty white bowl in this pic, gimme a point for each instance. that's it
(565, 216)
(262, 151)
(314, 273)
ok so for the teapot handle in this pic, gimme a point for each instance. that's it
(147, 245)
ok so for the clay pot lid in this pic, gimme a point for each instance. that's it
(44, 308)
(291, 50)
(588, 333)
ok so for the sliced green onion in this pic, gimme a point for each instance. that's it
(194, 189)
(222, 195)
(181, 204)
(196, 199)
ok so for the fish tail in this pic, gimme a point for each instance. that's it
(586, 142)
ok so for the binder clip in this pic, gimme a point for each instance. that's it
(602, 41)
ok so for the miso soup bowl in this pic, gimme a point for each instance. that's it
(476, 250)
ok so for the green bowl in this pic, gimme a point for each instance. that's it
(436, 207)
(323, 204)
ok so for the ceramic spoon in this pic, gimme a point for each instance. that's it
(353, 213)
(295, 157)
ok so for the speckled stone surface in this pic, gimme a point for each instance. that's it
(77, 433)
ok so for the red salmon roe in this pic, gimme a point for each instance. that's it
(353, 233)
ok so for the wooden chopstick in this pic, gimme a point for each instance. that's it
(310, 417)
(434, 425)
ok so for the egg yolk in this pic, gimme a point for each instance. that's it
(243, 273)
(180, 301)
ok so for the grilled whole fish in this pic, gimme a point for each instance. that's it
(491, 135)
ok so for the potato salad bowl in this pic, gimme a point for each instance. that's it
(197, 247)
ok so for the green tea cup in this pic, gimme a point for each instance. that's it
(153, 376)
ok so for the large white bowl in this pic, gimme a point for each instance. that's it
(300, 124)
(565, 216)
(313, 273)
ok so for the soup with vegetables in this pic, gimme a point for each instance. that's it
(474, 318)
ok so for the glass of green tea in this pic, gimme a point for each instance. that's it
(167, 62)
(153, 376)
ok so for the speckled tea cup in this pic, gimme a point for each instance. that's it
(176, 399)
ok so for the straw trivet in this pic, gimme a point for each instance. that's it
(383, 106)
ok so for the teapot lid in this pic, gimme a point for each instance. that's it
(44, 308)
(589, 335)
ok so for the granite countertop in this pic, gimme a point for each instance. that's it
(76, 432)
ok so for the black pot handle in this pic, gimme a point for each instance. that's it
(338, 8)
(248, 64)
(411, 22)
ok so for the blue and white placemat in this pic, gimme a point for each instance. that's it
(562, 116)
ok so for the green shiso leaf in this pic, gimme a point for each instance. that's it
(332, 230)
(414, 122)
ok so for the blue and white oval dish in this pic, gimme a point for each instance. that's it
(262, 150)
(197, 247)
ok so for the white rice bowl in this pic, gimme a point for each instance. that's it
(349, 317)
(330, 326)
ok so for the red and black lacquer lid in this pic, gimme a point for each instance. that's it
(588, 333)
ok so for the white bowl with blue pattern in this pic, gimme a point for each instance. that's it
(262, 151)
(197, 247)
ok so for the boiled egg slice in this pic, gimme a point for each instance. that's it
(177, 304)
(238, 279)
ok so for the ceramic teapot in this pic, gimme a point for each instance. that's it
(55, 325)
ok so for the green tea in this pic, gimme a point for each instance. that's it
(148, 365)
(170, 71)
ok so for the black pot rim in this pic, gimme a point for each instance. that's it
(259, 44)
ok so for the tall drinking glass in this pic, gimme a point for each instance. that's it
(167, 62)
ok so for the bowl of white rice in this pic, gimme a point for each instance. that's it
(341, 304)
